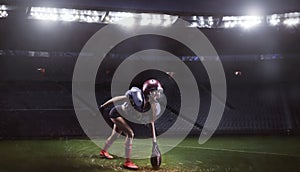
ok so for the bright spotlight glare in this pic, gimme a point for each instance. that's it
(146, 19)
(291, 21)
(292, 15)
(90, 16)
(63, 14)
(274, 22)
(230, 24)
(156, 20)
(249, 24)
(250, 21)
(142, 19)
(193, 24)
(242, 21)
(118, 16)
(114, 17)
(167, 22)
(145, 22)
(210, 21)
(3, 14)
(67, 17)
(128, 22)
(3, 7)
(201, 22)
(274, 19)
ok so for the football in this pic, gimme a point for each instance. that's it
(155, 157)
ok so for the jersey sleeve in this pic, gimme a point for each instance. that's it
(136, 98)
(128, 93)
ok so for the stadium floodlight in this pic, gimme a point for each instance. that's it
(3, 7)
(140, 19)
(168, 20)
(230, 21)
(201, 21)
(292, 15)
(274, 19)
(64, 14)
(193, 24)
(291, 19)
(210, 21)
(250, 21)
(3, 11)
(114, 17)
(156, 19)
(288, 19)
(145, 19)
(241, 21)
(128, 22)
(3, 14)
(230, 24)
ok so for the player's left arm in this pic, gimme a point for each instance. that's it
(112, 100)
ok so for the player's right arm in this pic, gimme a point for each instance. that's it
(113, 100)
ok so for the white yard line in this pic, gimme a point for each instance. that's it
(234, 150)
(218, 149)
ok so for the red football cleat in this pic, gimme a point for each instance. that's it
(105, 154)
(130, 165)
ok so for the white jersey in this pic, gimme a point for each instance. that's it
(136, 107)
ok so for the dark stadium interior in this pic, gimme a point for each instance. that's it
(262, 99)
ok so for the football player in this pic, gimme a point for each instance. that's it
(135, 103)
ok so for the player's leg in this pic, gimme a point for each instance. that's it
(109, 141)
(124, 127)
(114, 135)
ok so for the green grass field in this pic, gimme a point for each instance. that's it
(230, 153)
